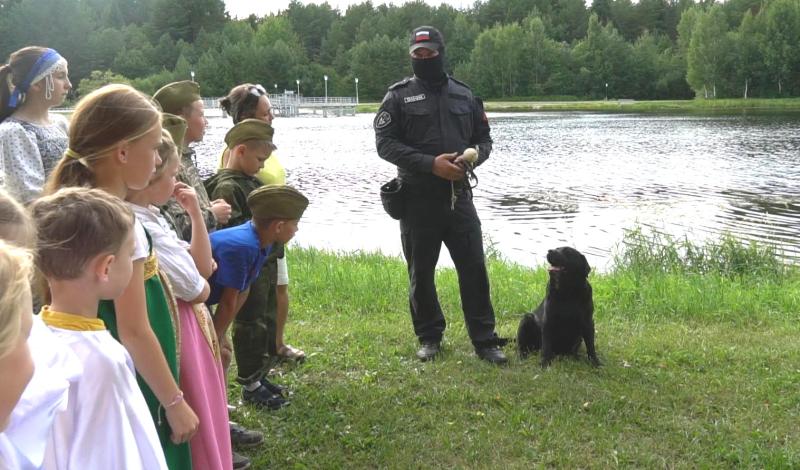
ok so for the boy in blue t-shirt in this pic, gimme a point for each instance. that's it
(240, 253)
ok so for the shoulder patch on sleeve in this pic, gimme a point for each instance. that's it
(382, 120)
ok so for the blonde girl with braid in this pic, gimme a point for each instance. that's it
(114, 138)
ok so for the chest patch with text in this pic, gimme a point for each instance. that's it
(414, 99)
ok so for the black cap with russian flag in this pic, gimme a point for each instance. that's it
(427, 37)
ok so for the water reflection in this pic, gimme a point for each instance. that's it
(561, 178)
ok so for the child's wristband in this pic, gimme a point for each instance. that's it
(177, 399)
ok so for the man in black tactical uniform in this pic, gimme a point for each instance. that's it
(423, 126)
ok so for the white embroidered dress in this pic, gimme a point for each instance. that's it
(29, 153)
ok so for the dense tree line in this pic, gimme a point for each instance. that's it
(504, 48)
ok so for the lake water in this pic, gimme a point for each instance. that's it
(554, 179)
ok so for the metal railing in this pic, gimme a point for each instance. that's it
(288, 104)
(312, 100)
(297, 100)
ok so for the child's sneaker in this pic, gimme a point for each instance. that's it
(243, 437)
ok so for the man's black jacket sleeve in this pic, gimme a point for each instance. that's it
(481, 136)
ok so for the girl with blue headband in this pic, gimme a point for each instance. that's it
(32, 139)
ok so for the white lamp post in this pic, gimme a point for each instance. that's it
(276, 88)
(326, 88)
(356, 90)
(192, 74)
(606, 91)
(298, 86)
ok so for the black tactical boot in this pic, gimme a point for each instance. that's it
(492, 354)
(428, 351)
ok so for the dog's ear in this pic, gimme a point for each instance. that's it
(586, 268)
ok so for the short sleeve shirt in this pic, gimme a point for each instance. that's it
(239, 256)
(141, 248)
(172, 252)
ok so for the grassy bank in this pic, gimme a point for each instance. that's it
(698, 346)
(698, 106)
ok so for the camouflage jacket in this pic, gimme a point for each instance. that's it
(173, 211)
(233, 186)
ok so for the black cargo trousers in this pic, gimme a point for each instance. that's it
(429, 221)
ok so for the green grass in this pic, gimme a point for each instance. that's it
(697, 106)
(699, 346)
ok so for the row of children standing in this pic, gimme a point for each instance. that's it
(95, 250)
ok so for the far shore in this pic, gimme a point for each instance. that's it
(696, 106)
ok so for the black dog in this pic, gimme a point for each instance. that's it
(564, 317)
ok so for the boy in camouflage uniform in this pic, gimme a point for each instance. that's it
(183, 99)
(250, 144)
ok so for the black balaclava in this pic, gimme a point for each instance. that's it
(431, 70)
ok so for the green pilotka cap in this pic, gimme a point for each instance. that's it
(277, 201)
(249, 129)
(176, 126)
(175, 96)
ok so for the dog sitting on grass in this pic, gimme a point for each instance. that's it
(565, 316)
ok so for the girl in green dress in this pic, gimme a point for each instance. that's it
(114, 137)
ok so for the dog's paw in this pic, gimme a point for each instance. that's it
(595, 361)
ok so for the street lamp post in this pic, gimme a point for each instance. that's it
(298, 86)
(276, 88)
(356, 90)
(192, 74)
(326, 88)
(606, 91)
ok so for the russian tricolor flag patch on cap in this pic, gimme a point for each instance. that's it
(422, 36)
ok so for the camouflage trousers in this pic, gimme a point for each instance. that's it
(254, 330)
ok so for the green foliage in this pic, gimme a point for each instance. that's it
(499, 61)
(749, 65)
(656, 70)
(151, 83)
(710, 54)
(308, 21)
(508, 49)
(602, 59)
(376, 62)
(781, 31)
(184, 19)
(98, 79)
(461, 42)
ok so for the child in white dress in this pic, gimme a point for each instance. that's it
(85, 244)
